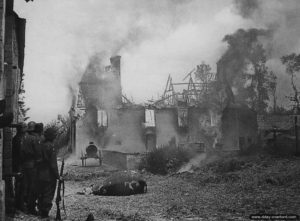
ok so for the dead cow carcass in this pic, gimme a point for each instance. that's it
(121, 184)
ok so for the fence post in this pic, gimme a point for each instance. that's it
(296, 134)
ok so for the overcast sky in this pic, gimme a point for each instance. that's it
(155, 38)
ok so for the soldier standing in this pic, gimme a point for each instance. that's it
(39, 129)
(28, 167)
(17, 143)
(47, 173)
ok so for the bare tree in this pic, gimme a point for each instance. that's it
(292, 64)
(21, 102)
(205, 76)
(273, 89)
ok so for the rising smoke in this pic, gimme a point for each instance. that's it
(281, 18)
(155, 38)
(100, 84)
(246, 8)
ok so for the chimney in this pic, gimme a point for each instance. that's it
(115, 62)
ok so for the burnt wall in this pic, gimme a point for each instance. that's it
(230, 127)
(166, 126)
(248, 129)
(199, 123)
(133, 161)
(123, 161)
(115, 159)
(239, 128)
(82, 138)
(125, 130)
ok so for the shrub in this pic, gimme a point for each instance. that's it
(155, 162)
(61, 128)
(166, 159)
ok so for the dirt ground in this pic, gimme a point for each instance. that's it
(188, 196)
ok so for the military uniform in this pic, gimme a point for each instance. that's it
(30, 156)
(17, 143)
(47, 176)
(39, 128)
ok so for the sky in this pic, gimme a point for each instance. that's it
(155, 38)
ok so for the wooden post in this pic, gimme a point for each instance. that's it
(2, 94)
(296, 134)
(274, 137)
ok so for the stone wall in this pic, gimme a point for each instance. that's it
(166, 126)
(133, 161)
(115, 159)
(125, 130)
(239, 128)
(121, 161)
(123, 134)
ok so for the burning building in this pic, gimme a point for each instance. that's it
(105, 119)
(116, 125)
(113, 124)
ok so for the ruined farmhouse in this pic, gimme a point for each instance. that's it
(101, 114)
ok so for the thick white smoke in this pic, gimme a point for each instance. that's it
(282, 19)
(155, 38)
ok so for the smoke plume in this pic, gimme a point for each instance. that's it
(155, 38)
(246, 8)
(281, 19)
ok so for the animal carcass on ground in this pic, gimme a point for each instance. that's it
(121, 184)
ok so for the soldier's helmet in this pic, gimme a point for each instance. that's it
(39, 127)
(50, 134)
(22, 127)
(31, 126)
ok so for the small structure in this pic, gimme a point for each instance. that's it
(91, 152)
(267, 124)
(122, 160)
(278, 132)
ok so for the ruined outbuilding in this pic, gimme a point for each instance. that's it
(279, 132)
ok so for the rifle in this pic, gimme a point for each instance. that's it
(58, 196)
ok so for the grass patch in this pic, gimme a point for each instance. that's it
(248, 175)
(226, 165)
